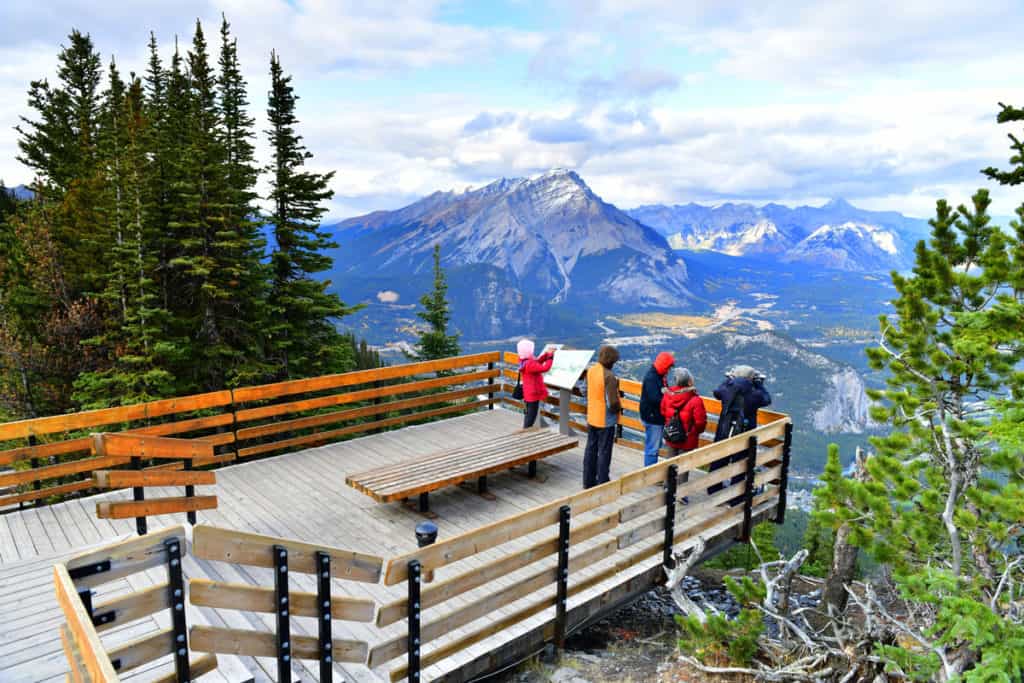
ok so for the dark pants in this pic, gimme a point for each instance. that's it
(736, 479)
(532, 409)
(597, 457)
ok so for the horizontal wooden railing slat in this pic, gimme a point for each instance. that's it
(65, 468)
(119, 479)
(263, 644)
(239, 547)
(238, 596)
(133, 606)
(127, 557)
(302, 386)
(125, 509)
(88, 419)
(111, 444)
(143, 650)
(250, 414)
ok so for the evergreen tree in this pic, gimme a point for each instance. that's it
(435, 342)
(364, 357)
(214, 259)
(942, 502)
(138, 353)
(240, 231)
(61, 146)
(303, 338)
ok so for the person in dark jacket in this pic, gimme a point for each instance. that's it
(531, 373)
(603, 409)
(650, 405)
(681, 398)
(742, 394)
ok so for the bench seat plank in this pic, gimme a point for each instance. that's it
(451, 467)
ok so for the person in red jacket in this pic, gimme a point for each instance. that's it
(531, 375)
(681, 397)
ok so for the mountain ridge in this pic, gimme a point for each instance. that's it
(859, 240)
(550, 234)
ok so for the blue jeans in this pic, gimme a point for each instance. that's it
(652, 442)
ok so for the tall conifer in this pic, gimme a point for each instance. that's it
(435, 342)
(303, 338)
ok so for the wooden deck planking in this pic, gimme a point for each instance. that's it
(303, 495)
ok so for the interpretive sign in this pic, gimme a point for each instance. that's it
(567, 368)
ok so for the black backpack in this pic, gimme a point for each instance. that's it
(675, 432)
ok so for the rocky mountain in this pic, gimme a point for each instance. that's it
(516, 244)
(851, 246)
(818, 391)
(836, 235)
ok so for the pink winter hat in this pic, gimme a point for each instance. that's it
(524, 348)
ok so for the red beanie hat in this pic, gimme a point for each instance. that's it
(663, 362)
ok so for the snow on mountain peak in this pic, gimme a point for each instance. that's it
(547, 232)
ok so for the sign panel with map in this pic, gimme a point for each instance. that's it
(567, 368)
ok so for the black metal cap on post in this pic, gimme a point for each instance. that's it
(426, 533)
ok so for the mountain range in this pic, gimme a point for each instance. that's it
(544, 253)
(836, 235)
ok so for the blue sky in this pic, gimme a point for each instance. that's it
(890, 105)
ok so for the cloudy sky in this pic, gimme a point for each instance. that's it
(888, 104)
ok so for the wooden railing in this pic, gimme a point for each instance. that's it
(49, 457)
(518, 573)
(578, 542)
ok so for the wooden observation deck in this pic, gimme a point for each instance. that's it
(492, 589)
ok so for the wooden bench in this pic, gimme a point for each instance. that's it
(420, 476)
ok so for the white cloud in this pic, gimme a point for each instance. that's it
(887, 132)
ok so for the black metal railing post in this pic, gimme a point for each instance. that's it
(85, 595)
(34, 464)
(139, 494)
(284, 646)
(176, 599)
(748, 488)
(787, 446)
(564, 516)
(323, 603)
(671, 484)
(413, 610)
(190, 492)
(490, 389)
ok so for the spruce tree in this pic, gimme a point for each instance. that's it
(241, 230)
(214, 260)
(303, 338)
(61, 146)
(139, 353)
(435, 342)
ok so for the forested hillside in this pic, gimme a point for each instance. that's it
(138, 269)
